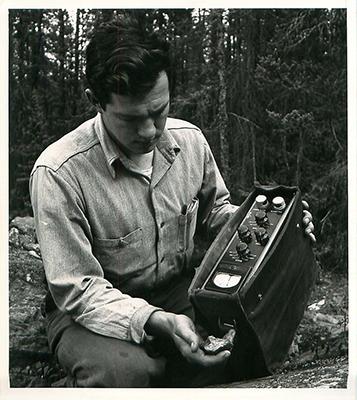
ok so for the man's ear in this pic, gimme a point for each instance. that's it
(93, 100)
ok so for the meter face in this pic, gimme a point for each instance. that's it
(224, 280)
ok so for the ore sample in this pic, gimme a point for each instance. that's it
(213, 345)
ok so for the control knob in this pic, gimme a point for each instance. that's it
(262, 202)
(261, 219)
(244, 234)
(279, 203)
(243, 251)
(262, 236)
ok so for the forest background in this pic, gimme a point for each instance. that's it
(266, 86)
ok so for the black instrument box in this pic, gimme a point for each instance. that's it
(259, 286)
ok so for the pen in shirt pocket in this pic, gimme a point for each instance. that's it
(188, 208)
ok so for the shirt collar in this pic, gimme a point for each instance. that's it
(167, 146)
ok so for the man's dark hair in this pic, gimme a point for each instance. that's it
(124, 58)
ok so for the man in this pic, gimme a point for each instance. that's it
(116, 204)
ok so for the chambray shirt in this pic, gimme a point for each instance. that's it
(108, 234)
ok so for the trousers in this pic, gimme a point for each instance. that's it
(93, 360)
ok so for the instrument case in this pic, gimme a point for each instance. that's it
(268, 307)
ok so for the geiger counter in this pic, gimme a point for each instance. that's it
(256, 277)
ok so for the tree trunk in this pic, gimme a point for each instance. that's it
(37, 49)
(76, 94)
(299, 157)
(62, 57)
(222, 119)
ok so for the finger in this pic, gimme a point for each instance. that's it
(209, 360)
(191, 340)
(306, 214)
(307, 218)
(305, 204)
(187, 349)
(189, 336)
(309, 228)
(306, 221)
(312, 237)
(199, 357)
(194, 346)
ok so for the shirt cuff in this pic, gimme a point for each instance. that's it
(138, 322)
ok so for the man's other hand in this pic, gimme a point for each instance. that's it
(183, 333)
(307, 222)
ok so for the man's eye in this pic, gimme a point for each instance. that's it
(158, 114)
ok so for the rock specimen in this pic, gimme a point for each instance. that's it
(213, 345)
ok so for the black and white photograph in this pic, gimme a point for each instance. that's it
(178, 199)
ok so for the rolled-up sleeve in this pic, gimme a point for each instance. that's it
(75, 277)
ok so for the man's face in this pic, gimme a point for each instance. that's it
(136, 123)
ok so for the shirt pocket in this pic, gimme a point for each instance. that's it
(120, 258)
(187, 226)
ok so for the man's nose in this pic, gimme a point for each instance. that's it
(147, 129)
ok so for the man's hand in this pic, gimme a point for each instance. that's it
(307, 222)
(182, 331)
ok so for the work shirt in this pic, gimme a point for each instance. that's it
(109, 234)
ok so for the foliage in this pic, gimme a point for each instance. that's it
(267, 86)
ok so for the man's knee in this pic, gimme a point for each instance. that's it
(93, 360)
(132, 367)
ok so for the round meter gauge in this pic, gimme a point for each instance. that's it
(225, 281)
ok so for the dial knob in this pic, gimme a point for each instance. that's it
(279, 203)
(261, 218)
(244, 234)
(262, 202)
(262, 236)
(243, 251)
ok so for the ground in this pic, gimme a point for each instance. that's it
(317, 358)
